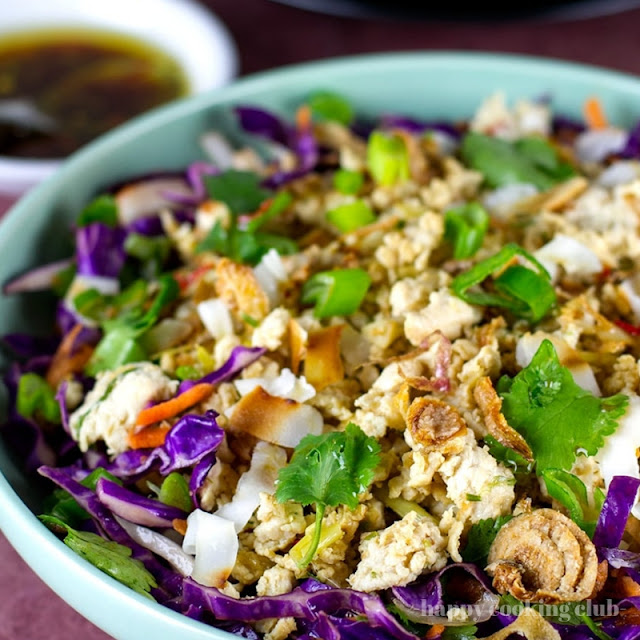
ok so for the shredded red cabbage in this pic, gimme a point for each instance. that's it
(136, 508)
(191, 442)
(307, 601)
(621, 496)
(100, 250)
(240, 358)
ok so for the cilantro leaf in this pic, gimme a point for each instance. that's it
(481, 537)
(554, 415)
(120, 343)
(465, 632)
(239, 190)
(112, 558)
(329, 470)
(509, 457)
(102, 209)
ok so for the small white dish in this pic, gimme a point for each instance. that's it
(188, 32)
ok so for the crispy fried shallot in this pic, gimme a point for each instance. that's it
(545, 557)
(490, 406)
(432, 422)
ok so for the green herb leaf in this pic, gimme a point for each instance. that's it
(328, 105)
(529, 160)
(338, 292)
(554, 415)
(387, 158)
(101, 209)
(153, 252)
(239, 190)
(465, 632)
(509, 457)
(481, 537)
(110, 557)
(526, 291)
(248, 245)
(351, 216)
(62, 505)
(348, 182)
(120, 342)
(465, 227)
(36, 399)
(329, 470)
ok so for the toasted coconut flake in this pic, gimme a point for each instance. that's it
(297, 344)
(562, 194)
(530, 625)
(543, 557)
(491, 408)
(214, 542)
(432, 422)
(238, 286)
(323, 362)
(276, 420)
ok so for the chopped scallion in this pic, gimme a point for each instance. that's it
(465, 227)
(336, 293)
(387, 158)
(524, 290)
(347, 181)
(351, 216)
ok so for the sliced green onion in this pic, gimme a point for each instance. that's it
(347, 181)
(101, 209)
(387, 158)
(328, 105)
(187, 372)
(527, 292)
(336, 293)
(174, 491)
(317, 537)
(351, 216)
(465, 227)
(399, 505)
(35, 397)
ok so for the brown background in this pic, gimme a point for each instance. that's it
(270, 34)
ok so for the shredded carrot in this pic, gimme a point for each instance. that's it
(303, 117)
(594, 114)
(179, 525)
(435, 631)
(171, 408)
(68, 358)
(149, 437)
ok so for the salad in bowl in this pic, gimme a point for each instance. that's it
(354, 377)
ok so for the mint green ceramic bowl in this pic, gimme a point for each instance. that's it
(445, 85)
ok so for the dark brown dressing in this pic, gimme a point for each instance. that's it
(87, 81)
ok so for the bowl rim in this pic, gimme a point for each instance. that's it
(17, 521)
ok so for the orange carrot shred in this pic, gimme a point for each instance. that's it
(303, 117)
(594, 114)
(68, 359)
(171, 408)
(148, 437)
(435, 631)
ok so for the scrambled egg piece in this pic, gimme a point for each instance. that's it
(278, 525)
(110, 409)
(399, 554)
